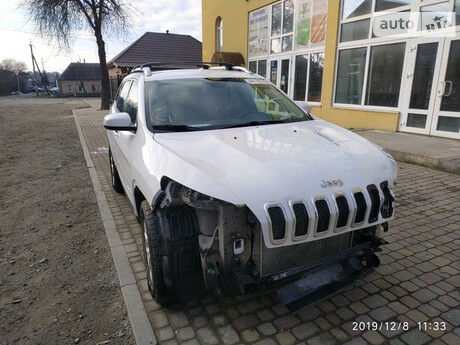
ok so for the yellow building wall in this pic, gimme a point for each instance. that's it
(234, 14)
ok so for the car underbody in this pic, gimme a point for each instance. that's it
(219, 246)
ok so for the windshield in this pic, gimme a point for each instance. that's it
(198, 104)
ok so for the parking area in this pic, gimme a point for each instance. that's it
(412, 298)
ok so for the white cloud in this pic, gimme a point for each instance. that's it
(177, 16)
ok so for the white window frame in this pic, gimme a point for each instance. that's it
(281, 35)
(219, 34)
(310, 49)
(370, 42)
(69, 87)
(309, 53)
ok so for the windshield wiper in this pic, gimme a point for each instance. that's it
(175, 128)
(259, 123)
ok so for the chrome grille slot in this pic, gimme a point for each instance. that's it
(387, 206)
(375, 203)
(324, 215)
(278, 221)
(344, 210)
(301, 219)
(360, 207)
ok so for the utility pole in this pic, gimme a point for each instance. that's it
(32, 56)
(35, 63)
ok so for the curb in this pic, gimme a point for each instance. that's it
(140, 323)
(447, 165)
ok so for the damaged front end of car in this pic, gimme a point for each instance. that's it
(235, 259)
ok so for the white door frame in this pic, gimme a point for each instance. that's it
(279, 59)
(408, 80)
(444, 86)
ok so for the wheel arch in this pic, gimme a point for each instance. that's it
(138, 198)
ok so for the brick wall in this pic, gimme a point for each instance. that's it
(70, 87)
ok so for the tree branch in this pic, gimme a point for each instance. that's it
(83, 9)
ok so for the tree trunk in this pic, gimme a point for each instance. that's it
(105, 83)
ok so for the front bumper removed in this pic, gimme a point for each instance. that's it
(327, 279)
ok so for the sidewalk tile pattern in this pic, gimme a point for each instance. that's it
(418, 280)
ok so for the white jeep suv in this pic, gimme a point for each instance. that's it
(237, 187)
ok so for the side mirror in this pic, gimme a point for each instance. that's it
(119, 122)
(304, 106)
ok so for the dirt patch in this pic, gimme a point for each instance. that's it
(58, 284)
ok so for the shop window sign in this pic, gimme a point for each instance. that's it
(414, 24)
(258, 32)
(289, 25)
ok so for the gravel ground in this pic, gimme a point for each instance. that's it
(58, 284)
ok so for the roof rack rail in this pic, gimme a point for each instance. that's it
(181, 65)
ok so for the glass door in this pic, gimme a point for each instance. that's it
(274, 72)
(284, 75)
(446, 121)
(424, 65)
(280, 70)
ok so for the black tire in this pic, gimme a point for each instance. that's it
(174, 269)
(115, 178)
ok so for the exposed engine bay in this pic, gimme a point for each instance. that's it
(235, 260)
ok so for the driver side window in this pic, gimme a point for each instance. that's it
(130, 105)
(122, 96)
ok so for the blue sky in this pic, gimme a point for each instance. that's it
(16, 31)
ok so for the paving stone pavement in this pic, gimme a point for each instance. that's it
(418, 280)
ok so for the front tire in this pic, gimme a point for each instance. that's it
(115, 178)
(153, 257)
(171, 253)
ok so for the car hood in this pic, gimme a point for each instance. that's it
(277, 163)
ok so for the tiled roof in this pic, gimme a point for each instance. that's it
(159, 47)
(81, 71)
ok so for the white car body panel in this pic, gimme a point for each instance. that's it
(256, 166)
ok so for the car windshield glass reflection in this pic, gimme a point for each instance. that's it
(198, 104)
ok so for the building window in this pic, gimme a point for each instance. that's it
(296, 29)
(315, 80)
(353, 31)
(350, 75)
(93, 88)
(259, 67)
(355, 8)
(300, 77)
(282, 26)
(308, 71)
(369, 68)
(385, 69)
(276, 19)
(69, 88)
(385, 5)
(80, 88)
(219, 34)
(288, 17)
(262, 68)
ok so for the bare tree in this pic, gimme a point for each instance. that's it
(12, 65)
(57, 19)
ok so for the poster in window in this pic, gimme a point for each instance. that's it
(303, 17)
(318, 21)
(258, 35)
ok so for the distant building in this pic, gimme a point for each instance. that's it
(80, 79)
(156, 47)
